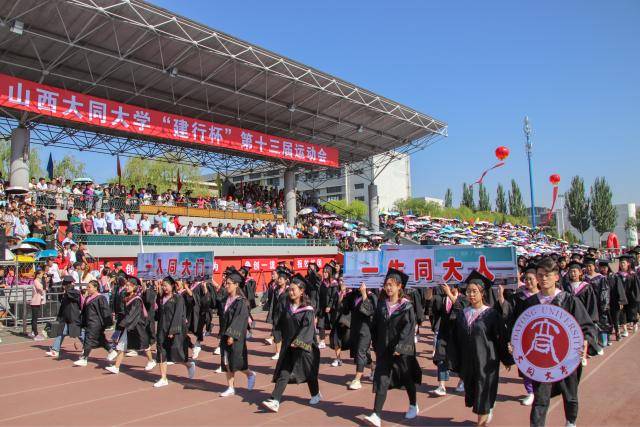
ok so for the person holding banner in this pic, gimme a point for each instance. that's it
(133, 326)
(394, 329)
(299, 359)
(444, 320)
(548, 275)
(340, 322)
(172, 341)
(478, 345)
(233, 334)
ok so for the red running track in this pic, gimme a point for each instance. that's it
(36, 390)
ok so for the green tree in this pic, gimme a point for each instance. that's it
(484, 204)
(35, 167)
(467, 197)
(570, 237)
(577, 204)
(516, 205)
(603, 213)
(69, 168)
(501, 200)
(140, 172)
(448, 198)
(355, 210)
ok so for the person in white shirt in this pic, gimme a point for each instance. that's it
(53, 271)
(171, 228)
(145, 224)
(280, 230)
(222, 204)
(155, 231)
(72, 253)
(109, 218)
(131, 224)
(117, 226)
(99, 223)
(41, 185)
(195, 231)
(22, 228)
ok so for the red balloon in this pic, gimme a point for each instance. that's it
(554, 179)
(502, 152)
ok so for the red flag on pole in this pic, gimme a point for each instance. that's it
(179, 181)
(119, 170)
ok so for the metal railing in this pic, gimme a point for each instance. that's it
(16, 310)
(103, 203)
(135, 240)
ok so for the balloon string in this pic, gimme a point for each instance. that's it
(479, 181)
(553, 203)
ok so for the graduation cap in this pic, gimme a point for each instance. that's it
(244, 269)
(169, 280)
(397, 275)
(236, 277)
(531, 267)
(575, 264)
(134, 280)
(628, 257)
(299, 281)
(283, 272)
(635, 250)
(478, 279)
(331, 269)
(604, 262)
(314, 265)
(589, 261)
(68, 279)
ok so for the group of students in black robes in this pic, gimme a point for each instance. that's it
(472, 323)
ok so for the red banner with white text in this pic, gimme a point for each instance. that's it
(77, 107)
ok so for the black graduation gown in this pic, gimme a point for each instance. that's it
(574, 306)
(96, 317)
(275, 304)
(631, 286)
(117, 298)
(235, 321)
(446, 327)
(326, 295)
(618, 298)
(415, 296)
(135, 323)
(69, 314)
(602, 288)
(172, 321)
(205, 307)
(478, 350)
(219, 297)
(588, 298)
(150, 303)
(192, 310)
(249, 289)
(361, 324)
(313, 290)
(340, 322)
(303, 360)
(394, 334)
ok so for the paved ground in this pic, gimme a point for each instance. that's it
(36, 390)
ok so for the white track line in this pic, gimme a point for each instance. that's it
(84, 402)
(592, 372)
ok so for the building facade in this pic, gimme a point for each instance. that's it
(627, 238)
(349, 183)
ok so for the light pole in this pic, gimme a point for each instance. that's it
(528, 147)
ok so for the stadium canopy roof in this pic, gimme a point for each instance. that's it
(134, 52)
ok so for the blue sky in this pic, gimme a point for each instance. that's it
(572, 66)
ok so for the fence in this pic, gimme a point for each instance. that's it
(135, 240)
(102, 203)
(15, 311)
